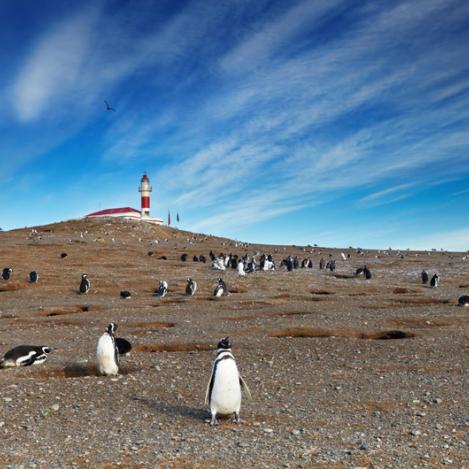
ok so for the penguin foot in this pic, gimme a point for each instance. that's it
(236, 419)
(214, 422)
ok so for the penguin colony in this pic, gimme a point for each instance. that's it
(226, 385)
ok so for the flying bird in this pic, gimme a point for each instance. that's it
(108, 106)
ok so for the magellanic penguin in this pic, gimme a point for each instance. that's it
(434, 281)
(6, 273)
(33, 277)
(223, 394)
(367, 272)
(240, 268)
(191, 287)
(162, 289)
(85, 284)
(463, 300)
(221, 289)
(25, 355)
(107, 353)
(125, 294)
(424, 277)
(123, 345)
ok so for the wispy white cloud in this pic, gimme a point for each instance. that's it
(373, 198)
(54, 68)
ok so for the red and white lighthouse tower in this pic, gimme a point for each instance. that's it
(145, 190)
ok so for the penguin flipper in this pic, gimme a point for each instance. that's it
(245, 387)
(209, 388)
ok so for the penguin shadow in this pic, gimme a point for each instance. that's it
(193, 413)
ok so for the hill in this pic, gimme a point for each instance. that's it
(344, 372)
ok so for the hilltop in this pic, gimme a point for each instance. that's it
(344, 372)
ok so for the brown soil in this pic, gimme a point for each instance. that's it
(334, 383)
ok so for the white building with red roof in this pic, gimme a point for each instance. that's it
(129, 212)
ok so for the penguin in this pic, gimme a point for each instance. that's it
(221, 289)
(366, 273)
(162, 289)
(223, 395)
(25, 355)
(162, 258)
(195, 259)
(202, 259)
(434, 281)
(6, 274)
(322, 264)
(126, 295)
(424, 277)
(463, 300)
(33, 277)
(184, 257)
(123, 346)
(191, 287)
(240, 269)
(107, 353)
(85, 284)
(358, 271)
(63, 255)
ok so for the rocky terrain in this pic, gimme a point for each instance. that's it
(344, 372)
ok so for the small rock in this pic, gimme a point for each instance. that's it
(55, 407)
(437, 400)
(268, 430)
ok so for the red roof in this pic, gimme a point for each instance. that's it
(112, 211)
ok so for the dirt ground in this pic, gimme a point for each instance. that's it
(344, 372)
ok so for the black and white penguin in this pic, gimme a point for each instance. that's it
(463, 300)
(63, 255)
(126, 295)
(6, 273)
(221, 289)
(424, 277)
(184, 257)
(107, 353)
(367, 272)
(123, 346)
(162, 289)
(25, 355)
(434, 281)
(191, 287)
(85, 284)
(240, 268)
(202, 259)
(223, 394)
(195, 259)
(33, 277)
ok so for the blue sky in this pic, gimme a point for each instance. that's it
(331, 122)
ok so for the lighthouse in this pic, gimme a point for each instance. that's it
(130, 213)
(145, 190)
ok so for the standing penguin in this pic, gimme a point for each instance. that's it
(6, 273)
(223, 394)
(434, 281)
(85, 284)
(125, 294)
(221, 289)
(25, 355)
(240, 268)
(33, 277)
(424, 277)
(162, 289)
(107, 353)
(367, 272)
(191, 287)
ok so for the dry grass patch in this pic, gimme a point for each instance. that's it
(422, 301)
(62, 310)
(440, 321)
(10, 286)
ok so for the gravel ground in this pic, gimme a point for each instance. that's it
(330, 387)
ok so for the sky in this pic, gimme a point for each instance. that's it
(337, 123)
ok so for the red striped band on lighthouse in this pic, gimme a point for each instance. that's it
(145, 202)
